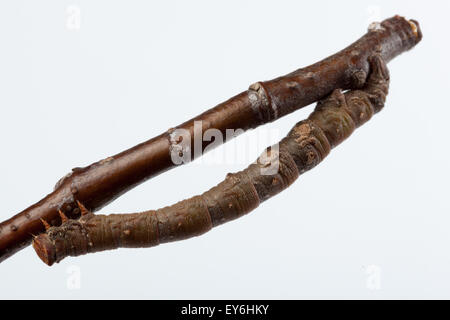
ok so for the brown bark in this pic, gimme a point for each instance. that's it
(103, 181)
(306, 145)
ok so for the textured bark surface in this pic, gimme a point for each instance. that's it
(103, 181)
(306, 145)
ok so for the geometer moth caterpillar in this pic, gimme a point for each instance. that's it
(306, 145)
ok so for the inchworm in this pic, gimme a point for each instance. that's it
(306, 145)
(101, 182)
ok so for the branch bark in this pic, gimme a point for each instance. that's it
(306, 145)
(102, 182)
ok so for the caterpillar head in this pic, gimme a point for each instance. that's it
(68, 239)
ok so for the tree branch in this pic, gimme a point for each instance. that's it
(306, 145)
(100, 183)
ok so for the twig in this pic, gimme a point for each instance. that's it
(100, 183)
(333, 120)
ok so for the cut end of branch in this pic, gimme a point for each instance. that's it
(416, 29)
(45, 249)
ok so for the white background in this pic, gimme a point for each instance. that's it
(371, 221)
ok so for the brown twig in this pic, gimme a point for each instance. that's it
(103, 181)
(333, 120)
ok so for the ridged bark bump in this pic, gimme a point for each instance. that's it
(307, 144)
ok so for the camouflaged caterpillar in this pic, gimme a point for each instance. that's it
(103, 181)
(307, 144)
